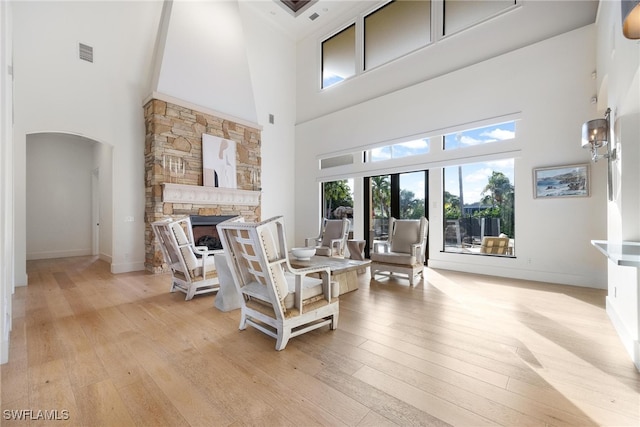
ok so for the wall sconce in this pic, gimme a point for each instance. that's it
(630, 18)
(595, 135)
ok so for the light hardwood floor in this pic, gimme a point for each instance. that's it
(458, 349)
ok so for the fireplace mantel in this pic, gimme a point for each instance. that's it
(196, 194)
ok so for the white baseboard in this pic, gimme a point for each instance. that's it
(518, 273)
(628, 342)
(126, 267)
(58, 254)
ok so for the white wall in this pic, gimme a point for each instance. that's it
(204, 60)
(56, 92)
(7, 279)
(547, 85)
(618, 65)
(59, 195)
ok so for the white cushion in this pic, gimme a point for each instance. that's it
(311, 287)
(405, 233)
(332, 230)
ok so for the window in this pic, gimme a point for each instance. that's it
(478, 202)
(461, 14)
(483, 135)
(396, 29)
(339, 57)
(402, 149)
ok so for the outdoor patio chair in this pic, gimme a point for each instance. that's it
(332, 239)
(494, 245)
(277, 299)
(192, 267)
(405, 250)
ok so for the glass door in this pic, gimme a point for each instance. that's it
(401, 195)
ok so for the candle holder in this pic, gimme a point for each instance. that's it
(174, 167)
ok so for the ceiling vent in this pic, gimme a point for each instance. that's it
(314, 16)
(86, 52)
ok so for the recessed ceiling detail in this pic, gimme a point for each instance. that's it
(295, 7)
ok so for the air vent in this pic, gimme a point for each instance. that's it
(86, 52)
(313, 16)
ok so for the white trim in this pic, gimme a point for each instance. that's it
(631, 345)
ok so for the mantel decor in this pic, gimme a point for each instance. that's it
(178, 193)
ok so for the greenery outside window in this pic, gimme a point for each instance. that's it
(337, 199)
(478, 202)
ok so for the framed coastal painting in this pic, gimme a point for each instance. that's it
(561, 181)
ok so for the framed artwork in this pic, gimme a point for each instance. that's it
(561, 181)
(218, 162)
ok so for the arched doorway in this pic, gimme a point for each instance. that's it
(64, 195)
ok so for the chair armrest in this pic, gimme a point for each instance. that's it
(416, 250)
(301, 273)
(337, 244)
(312, 241)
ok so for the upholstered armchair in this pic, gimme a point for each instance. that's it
(332, 239)
(192, 267)
(276, 299)
(405, 250)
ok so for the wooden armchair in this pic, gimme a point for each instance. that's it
(191, 274)
(405, 250)
(332, 239)
(277, 299)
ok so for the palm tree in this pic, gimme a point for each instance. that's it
(498, 187)
(501, 193)
(381, 192)
(380, 201)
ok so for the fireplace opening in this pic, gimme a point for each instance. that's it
(205, 232)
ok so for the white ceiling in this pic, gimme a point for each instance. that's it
(298, 27)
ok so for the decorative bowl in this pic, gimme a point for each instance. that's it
(303, 254)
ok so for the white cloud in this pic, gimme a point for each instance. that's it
(417, 144)
(498, 134)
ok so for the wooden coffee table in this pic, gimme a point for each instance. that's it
(343, 270)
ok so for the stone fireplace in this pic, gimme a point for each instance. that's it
(175, 131)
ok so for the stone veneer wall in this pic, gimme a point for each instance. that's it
(177, 131)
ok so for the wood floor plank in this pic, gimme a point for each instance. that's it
(100, 404)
